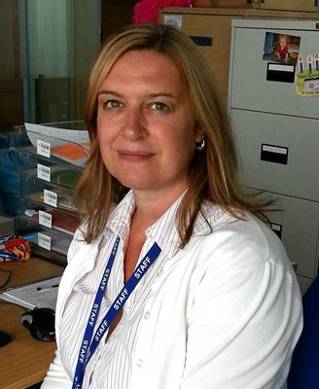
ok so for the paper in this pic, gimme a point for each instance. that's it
(55, 135)
(77, 154)
(70, 145)
(42, 294)
(307, 77)
(174, 20)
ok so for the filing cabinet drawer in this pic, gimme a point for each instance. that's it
(217, 30)
(297, 225)
(250, 88)
(278, 153)
(212, 35)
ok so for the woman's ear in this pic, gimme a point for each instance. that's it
(199, 133)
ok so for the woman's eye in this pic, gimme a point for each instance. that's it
(157, 106)
(112, 103)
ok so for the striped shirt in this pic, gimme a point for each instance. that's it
(224, 312)
(115, 354)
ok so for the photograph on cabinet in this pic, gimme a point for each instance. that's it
(281, 48)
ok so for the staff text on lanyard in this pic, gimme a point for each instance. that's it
(90, 342)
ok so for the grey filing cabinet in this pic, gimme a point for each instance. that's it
(277, 130)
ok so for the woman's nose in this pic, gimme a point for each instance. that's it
(134, 126)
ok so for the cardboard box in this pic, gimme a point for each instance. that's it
(284, 5)
(220, 3)
(288, 5)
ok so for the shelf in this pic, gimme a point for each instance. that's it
(48, 182)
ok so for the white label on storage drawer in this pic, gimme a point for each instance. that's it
(174, 20)
(50, 198)
(281, 68)
(43, 148)
(45, 219)
(275, 149)
(44, 172)
(44, 241)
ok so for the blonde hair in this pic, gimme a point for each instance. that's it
(213, 171)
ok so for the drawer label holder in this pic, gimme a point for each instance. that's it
(273, 153)
(277, 228)
(280, 72)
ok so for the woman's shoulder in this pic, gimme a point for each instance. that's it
(247, 239)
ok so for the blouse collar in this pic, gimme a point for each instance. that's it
(164, 231)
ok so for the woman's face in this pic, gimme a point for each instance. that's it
(145, 125)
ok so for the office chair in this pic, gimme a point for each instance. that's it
(304, 371)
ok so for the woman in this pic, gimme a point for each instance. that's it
(180, 285)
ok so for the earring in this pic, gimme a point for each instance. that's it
(200, 146)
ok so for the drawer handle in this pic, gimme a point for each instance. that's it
(280, 72)
(202, 40)
(272, 153)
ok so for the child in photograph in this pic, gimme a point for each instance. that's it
(281, 49)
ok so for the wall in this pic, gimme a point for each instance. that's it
(62, 39)
(115, 13)
(47, 37)
(11, 111)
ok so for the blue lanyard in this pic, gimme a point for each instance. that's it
(90, 342)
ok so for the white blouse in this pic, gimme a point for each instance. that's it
(224, 312)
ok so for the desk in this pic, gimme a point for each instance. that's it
(24, 361)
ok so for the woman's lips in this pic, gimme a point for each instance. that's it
(134, 155)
